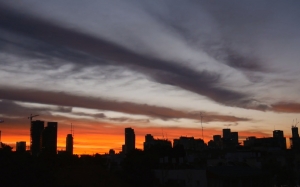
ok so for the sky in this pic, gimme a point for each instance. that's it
(155, 66)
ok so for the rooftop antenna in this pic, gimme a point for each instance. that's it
(1, 121)
(72, 130)
(295, 123)
(201, 116)
(32, 116)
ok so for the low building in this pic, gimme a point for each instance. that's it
(150, 142)
(190, 143)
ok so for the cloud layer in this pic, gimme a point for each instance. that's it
(74, 45)
(64, 99)
(139, 62)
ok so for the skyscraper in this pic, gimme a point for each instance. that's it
(129, 140)
(69, 144)
(278, 134)
(36, 130)
(279, 138)
(230, 139)
(49, 139)
(234, 137)
(226, 134)
(295, 133)
(295, 140)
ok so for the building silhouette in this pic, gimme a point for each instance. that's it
(36, 130)
(69, 144)
(234, 136)
(295, 133)
(129, 140)
(150, 142)
(279, 138)
(226, 134)
(230, 139)
(49, 139)
(277, 142)
(21, 146)
(189, 143)
(250, 141)
(278, 134)
(295, 140)
(217, 140)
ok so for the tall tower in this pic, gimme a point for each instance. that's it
(278, 134)
(36, 131)
(279, 138)
(226, 134)
(295, 133)
(234, 138)
(69, 144)
(49, 139)
(129, 140)
(295, 140)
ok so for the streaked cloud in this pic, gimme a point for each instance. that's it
(64, 99)
(109, 64)
(286, 107)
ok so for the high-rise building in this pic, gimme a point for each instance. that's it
(234, 136)
(279, 138)
(49, 139)
(295, 140)
(295, 133)
(226, 134)
(129, 140)
(230, 139)
(36, 131)
(69, 144)
(21, 146)
(278, 134)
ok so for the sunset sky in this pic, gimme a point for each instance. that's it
(153, 65)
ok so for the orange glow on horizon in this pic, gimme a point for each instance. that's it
(99, 138)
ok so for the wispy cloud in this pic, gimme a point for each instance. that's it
(73, 44)
(64, 99)
(286, 107)
(73, 54)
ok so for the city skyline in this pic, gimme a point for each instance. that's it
(154, 66)
(43, 140)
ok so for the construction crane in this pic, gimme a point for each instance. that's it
(201, 116)
(32, 116)
(1, 121)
